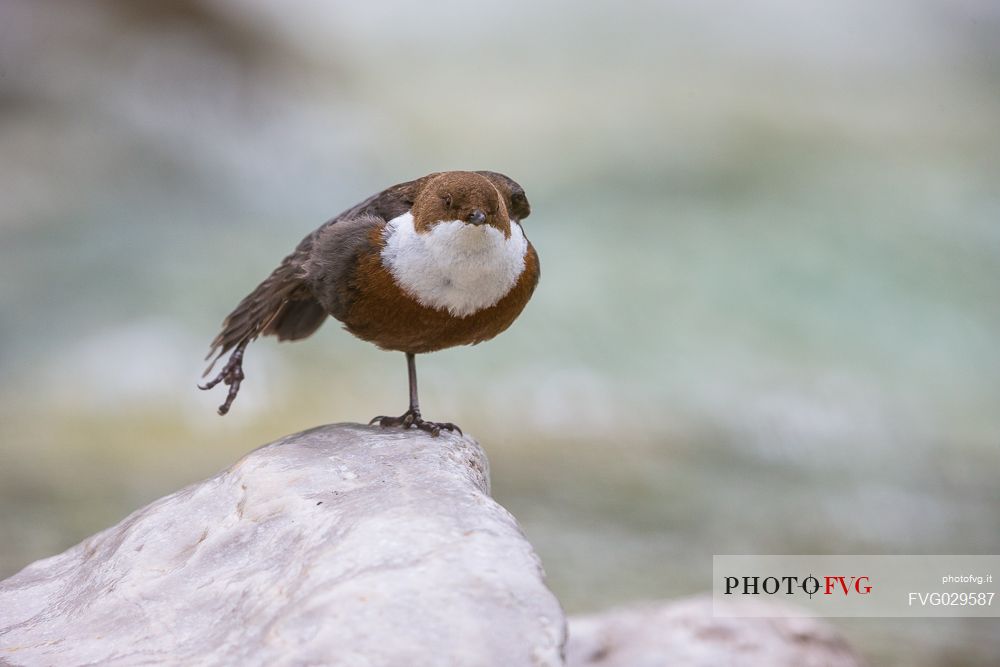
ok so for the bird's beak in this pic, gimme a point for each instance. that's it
(477, 217)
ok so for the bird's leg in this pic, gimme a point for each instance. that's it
(412, 418)
(231, 374)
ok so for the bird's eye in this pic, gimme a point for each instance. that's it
(447, 200)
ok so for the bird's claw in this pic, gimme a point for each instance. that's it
(232, 375)
(411, 419)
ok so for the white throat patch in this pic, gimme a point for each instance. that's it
(456, 266)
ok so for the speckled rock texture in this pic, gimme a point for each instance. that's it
(684, 633)
(343, 545)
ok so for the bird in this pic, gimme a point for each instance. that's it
(421, 266)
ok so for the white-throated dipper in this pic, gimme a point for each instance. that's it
(421, 266)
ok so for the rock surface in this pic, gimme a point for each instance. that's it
(684, 634)
(342, 545)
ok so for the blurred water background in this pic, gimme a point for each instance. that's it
(768, 320)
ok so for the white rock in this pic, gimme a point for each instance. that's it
(343, 545)
(684, 633)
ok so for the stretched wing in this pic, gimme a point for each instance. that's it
(281, 295)
(283, 305)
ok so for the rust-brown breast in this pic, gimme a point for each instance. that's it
(385, 315)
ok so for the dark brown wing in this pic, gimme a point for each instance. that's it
(284, 305)
(333, 260)
(282, 298)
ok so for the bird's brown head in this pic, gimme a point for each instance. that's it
(460, 195)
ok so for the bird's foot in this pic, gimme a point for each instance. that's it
(411, 419)
(232, 375)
